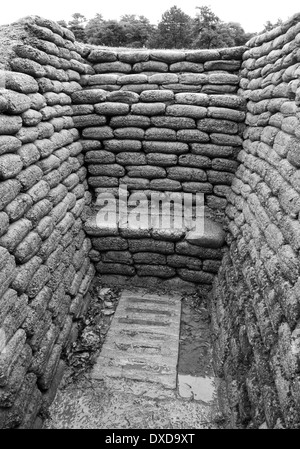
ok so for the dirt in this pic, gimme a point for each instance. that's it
(119, 403)
(92, 332)
(195, 356)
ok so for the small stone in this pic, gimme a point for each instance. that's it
(108, 304)
(108, 312)
(103, 293)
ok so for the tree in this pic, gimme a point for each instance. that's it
(174, 30)
(268, 26)
(137, 30)
(130, 31)
(206, 18)
(109, 33)
(207, 29)
(93, 27)
(62, 23)
(211, 32)
(232, 34)
(77, 26)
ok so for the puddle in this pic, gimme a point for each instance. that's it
(125, 403)
(197, 388)
(195, 374)
(195, 350)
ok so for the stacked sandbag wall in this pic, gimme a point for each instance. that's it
(256, 307)
(45, 270)
(160, 121)
(77, 121)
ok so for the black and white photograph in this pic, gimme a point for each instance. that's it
(150, 218)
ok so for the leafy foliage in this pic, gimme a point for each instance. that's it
(77, 26)
(268, 26)
(137, 30)
(92, 29)
(211, 32)
(173, 31)
(176, 29)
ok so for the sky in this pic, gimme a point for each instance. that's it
(252, 14)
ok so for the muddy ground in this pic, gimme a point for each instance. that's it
(195, 356)
(117, 403)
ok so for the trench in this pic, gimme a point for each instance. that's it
(133, 399)
(79, 121)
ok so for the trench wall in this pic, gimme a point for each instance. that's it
(45, 270)
(255, 311)
(77, 121)
(160, 122)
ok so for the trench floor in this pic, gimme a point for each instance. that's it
(153, 371)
